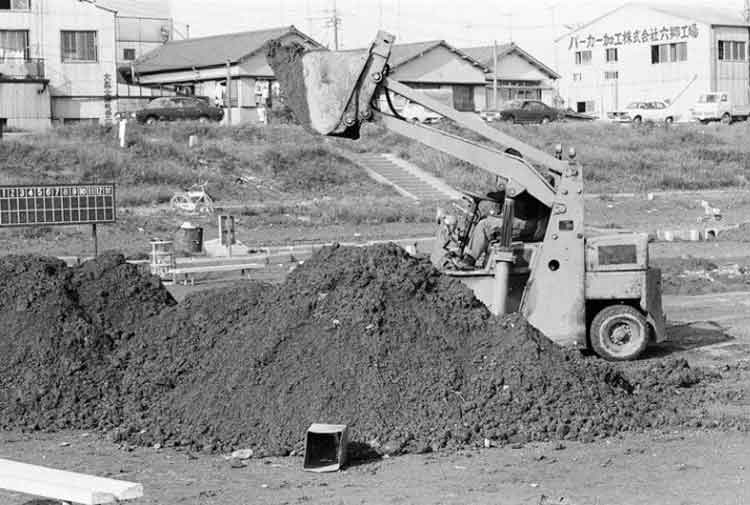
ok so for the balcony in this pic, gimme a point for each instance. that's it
(28, 69)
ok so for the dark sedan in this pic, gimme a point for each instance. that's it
(526, 111)
(175, 108)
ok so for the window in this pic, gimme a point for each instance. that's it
(666, 53)
(583, 57)
(128, 54)
(577, 77)
(611, 55)
(612, 75)
(15, 5)
(78, 46)
(730, 50)
(14, 45)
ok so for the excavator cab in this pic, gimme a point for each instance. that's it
(590, 291)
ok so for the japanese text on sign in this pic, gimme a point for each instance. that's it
(57, 204)
(656, 34)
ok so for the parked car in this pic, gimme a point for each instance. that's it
(523, 111)
(558, 114)
(173, 108)
(718, 106)
(638, 112)
(417, 113)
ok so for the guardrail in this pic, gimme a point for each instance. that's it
(22, 68)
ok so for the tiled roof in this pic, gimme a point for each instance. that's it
(211, 51)
(483, 54)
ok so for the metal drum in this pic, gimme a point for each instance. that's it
(189, 239)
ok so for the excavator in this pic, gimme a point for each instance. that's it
(590, 289)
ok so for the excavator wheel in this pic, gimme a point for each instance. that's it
(619, 333)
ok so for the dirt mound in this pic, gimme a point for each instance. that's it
(370, 337)
(59, 326)
(376, 339)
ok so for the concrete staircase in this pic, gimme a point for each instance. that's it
(406, 178)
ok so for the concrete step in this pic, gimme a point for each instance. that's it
(405, 177)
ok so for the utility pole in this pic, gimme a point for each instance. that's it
(228, 94)
(494, 74)
(336, 20)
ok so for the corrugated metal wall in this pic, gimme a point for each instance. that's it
(25, 105)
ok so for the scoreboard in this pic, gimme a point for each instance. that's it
(63, 204)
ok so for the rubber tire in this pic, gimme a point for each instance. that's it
(510, 119)
(545, 120)
(151, 120)
(726, 118)
(607, 320)
(669, 120)
(637, 120)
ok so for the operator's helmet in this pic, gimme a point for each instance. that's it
(450, 220)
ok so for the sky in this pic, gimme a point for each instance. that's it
(532, 24)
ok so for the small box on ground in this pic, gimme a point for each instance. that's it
(325, 447)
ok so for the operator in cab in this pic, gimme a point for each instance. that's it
(529, 225)
(486, 229)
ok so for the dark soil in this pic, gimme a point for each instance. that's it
(369, 337)
(60, 326)
(381, 341)
(286, 62)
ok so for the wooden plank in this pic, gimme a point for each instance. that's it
(66, 486)
(216, 268)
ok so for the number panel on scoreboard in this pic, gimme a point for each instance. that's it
(29, 205)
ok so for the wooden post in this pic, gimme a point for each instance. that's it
(96, 240)
(229, 93)
(123, 132)
(494, 75)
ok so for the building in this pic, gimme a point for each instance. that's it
(519, 75)
(200, 66)
(141, 27)
(441, 71)
(68, 46)
(644, 52)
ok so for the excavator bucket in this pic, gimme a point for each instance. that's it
(330, 92)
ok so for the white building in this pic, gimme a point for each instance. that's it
(643, 52)
(142, 26)
(58, 62)
(71, 45)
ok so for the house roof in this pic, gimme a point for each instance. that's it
(483, 54)
(404, 53)
(203, 52)
(710, 15)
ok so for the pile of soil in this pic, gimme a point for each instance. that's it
(60, 326)
(369, 337)
(381, 341)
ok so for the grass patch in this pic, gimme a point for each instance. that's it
(282, 162)
(615, 157)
